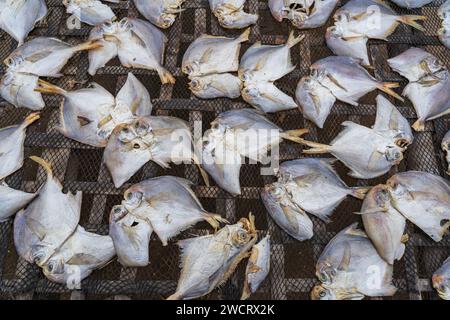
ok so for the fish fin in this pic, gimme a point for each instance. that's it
(32, 117)
(214, 220)
(353, 230)
(46, 165)
(419, 125)
(411, 20)
(104, 121)
(206, 56)
(290, 216)
(315, 147)
(203, 172)
(440, 114)
(345, 262)
(404, 238)
(36, 227)
(83, 121)
(46, 87)
(361, 16)
(165, 76)
(294, 135)
(260, 64)
(293, 40)
(88, 45)
(175, 296)
(334, 80)
(244, 36)
(306, 179)
(386, 87)
(83, 259)
(359, 192)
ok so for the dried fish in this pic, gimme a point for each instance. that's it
(216, 86)
(424, 199)
(18, 17)
(45, 225)
(12, 200)
(208, 261)
(266, 97)
(236, 134)
(384, 225)
(78, 257)
(11, 146)
(441, 280)
(18, 89)
(137, 43)
(213, 54)
(231, 15)
(131, 237)
(350, 268)
(369, 153)
(90, 114)
(258, 267)
(169, 205)
(161, 13)
(92, 12)
(444, 31)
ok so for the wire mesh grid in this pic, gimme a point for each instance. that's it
(80, 167)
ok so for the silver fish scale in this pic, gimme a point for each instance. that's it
(79, 167)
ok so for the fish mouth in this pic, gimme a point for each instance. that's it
(249, 224)
(403, 143)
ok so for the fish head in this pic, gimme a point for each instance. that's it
(397, 188)
(378, 198)
(192, 67)
(394, 154)
(118, 212)
(133, 198)
(250, 92)
(403, 139)
(165, 20)
(320, 292)
(54, 268)
(441, 283)
(243, 232)
(41, 254)
(13, 61)
(197, 85)
(431, 65)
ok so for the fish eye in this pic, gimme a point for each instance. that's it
(108, 24)
(136, 146)
(322, 294)
(124, 24)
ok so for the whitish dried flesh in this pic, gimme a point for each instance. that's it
(441, 280)
(90, 114)
(131, 237)
(19, 89)
(78, 257)
(223, 85)
(11, 146)
(444, 31)
(411, 4)
(423, 199)
(137, 43)
(231, 15)
(208, 261)
(161, 13)
(160, 139)
(258, 267)
(213, 54)
(384, 225)
(350, 268)
(369, 152)
(168, 205)
(236, 134)
(42, 227)
(18, 17)
(12, 200)
(92, 12)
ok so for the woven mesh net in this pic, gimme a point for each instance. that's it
(80, 167)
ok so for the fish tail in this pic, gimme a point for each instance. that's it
(386, 87)
(419, 125)
(215, 220)
(411, 20)
(293, 40)
(202, 171)
(88, 45)
(46, 165)
(245, 291)
(244, 36)
(175, 296)
(32, 117)
(165, 76)
(47, 87)
(359, 192)
(316, 148)
(294, 135)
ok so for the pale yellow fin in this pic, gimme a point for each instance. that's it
(32, 117)
(293, 40)
(47, 87)
(88, 45)
(294, 135)
(46, 165)
(244, 36)
(386, 87)
(411, 20)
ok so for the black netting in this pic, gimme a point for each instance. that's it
(80, 167)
